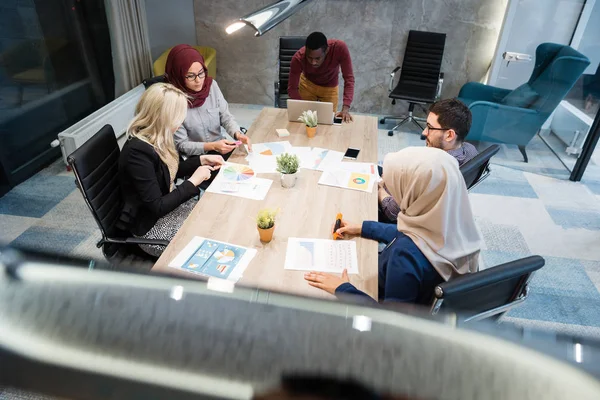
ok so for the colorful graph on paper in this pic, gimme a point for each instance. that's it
(359, 181)
(321, 255)
(237, 173)
(214, 259)
(306, 253)
(271, 149)
(319, 158)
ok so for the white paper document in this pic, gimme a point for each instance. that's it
(360, 167)
(212, 258)
(262, 164)
(239, 180)
(323, 158)
(305, 155)
(321, 255)
(348, 180)
(271, 148)
(263, 158)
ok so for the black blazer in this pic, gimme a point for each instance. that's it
(145, 182)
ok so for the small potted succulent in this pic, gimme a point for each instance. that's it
(287, 165)
(265, 222)
(310, 120)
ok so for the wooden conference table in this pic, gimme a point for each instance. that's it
(306, 210)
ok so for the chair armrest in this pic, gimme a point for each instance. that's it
(159, 242)
(490, 105)
(481, 279)
(498, 123)
(479, 91)
(134, 240)
(392, 75)
(438, 93)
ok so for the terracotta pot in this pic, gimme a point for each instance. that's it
(311, 132)
(289, 180)
(266, 235)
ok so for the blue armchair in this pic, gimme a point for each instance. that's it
(515, 116)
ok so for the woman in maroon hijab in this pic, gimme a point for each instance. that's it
(208, 110)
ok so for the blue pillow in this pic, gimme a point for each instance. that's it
(523, 97)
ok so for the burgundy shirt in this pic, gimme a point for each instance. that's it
(327, 74)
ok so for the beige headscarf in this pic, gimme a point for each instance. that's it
(434, 208)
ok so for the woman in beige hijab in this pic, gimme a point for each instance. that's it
(435, 238)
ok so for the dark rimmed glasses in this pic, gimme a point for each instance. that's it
(192, 77)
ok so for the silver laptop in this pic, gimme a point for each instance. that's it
(324, 110)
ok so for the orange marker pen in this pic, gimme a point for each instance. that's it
(338, 223)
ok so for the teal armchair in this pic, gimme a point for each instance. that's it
(515, 116)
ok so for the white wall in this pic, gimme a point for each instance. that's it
(170, 22)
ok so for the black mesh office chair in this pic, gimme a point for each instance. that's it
(488, 293)
(155, 79)
(96, 167)
(420, 77)
(478, 168)
(288, 46)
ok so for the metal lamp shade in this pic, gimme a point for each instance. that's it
(268, 17)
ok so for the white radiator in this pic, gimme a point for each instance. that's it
(118, 113)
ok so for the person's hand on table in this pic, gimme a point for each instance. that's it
(349, 228)
(327, 282)
(222, 146)
(212, 160)
(201, 174)
(244, 139)
(345, 114)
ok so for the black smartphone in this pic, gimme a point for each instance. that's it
(337, 120)
(351, 153)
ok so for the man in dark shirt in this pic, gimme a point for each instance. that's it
(315, 69)
(448, 123)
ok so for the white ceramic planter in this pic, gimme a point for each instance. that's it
(289, 180)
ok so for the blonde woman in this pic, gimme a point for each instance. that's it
(154, 207)
(435, 238)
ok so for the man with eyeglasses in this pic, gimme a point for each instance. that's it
(448, 123)
(315, 70)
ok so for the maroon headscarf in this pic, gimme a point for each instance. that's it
(179, 61)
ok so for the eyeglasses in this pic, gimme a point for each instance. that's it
(192, 77)
(431, 128)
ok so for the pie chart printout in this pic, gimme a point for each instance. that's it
(238, 173)
(224, 256)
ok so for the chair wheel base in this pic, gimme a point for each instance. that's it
(390, 133)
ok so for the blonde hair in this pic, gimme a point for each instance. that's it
(161, 109)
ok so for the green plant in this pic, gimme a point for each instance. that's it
(287, 163)
(266, 218)
(309, 118)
